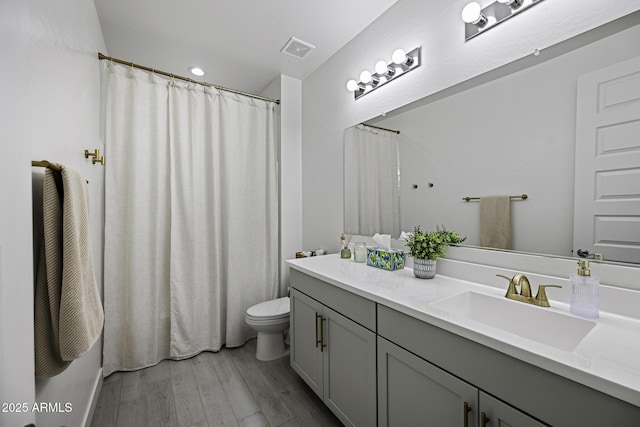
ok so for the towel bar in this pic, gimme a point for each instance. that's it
(522, 196)
(45, 164)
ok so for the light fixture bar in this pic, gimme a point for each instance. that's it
(392, 71)
(496, 13)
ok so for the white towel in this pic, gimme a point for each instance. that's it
(495, 222)
(68, 310)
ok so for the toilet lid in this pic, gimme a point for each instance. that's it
(274, 308)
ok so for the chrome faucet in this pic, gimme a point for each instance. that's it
(525, 290)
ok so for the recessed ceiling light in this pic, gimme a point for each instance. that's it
(197, 71)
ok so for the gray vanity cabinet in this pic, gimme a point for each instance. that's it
(519, 388)
(494, 412)
(413, 392)
(332, 352)
(426, 376)
(306, 358)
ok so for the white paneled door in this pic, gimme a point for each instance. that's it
(607, 175)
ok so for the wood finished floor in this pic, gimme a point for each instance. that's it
(228, 388)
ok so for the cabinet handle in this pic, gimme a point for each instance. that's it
(484, 420)
(318, 341)
(322, 344)
(467, 409)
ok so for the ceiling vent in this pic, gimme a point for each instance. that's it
(297, 48)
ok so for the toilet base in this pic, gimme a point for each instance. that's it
(270, 346)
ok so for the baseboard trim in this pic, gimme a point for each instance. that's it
(97, 388)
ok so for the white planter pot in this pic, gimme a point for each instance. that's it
(424, 268)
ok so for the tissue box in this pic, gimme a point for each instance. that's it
(385, 259)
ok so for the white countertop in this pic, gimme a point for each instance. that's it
(607, 359)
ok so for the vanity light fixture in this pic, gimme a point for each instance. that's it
(512, 3)
(401, 63)
(479, 19)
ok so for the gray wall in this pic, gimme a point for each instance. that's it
(16, 276)
(512, 135)
(328, 108)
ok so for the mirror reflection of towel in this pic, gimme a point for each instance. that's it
(495, 222)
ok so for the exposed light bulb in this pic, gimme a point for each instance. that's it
(399, 56)
(365, 77)
(381, 67)
(197, 71)
(512, 3)
(352, 85)
(472, 14)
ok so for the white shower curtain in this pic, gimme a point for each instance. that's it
(372, 199)
(191, 222)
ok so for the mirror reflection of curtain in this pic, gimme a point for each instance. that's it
(372, 176)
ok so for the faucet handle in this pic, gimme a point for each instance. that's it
(541, 296)
(512, 286)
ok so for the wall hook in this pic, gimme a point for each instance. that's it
(97, 158)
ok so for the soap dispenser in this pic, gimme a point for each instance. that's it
(584, 292)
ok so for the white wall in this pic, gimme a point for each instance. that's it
(513, 135)
(290, 173)
(289, 91)
(59, 116)
(16, 272)
(65, 102)
(447, 60)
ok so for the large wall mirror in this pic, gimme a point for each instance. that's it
(510, 132)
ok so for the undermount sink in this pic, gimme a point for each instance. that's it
(535, 323)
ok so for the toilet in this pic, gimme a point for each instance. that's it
(270, 319)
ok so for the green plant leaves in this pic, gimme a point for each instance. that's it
(431, 244)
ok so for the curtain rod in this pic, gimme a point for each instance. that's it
(186, 79)
(378, 127)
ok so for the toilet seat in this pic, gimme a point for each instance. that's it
(270, 310)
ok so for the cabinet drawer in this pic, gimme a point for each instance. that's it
(350, 305)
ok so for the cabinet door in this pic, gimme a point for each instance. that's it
(306, 357)
(349, 370)
(495, 413)
(413, 392)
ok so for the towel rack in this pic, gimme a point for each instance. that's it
(522, 196)
(48, 164)
(45, 164)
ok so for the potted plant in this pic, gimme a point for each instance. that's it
(427, 246)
